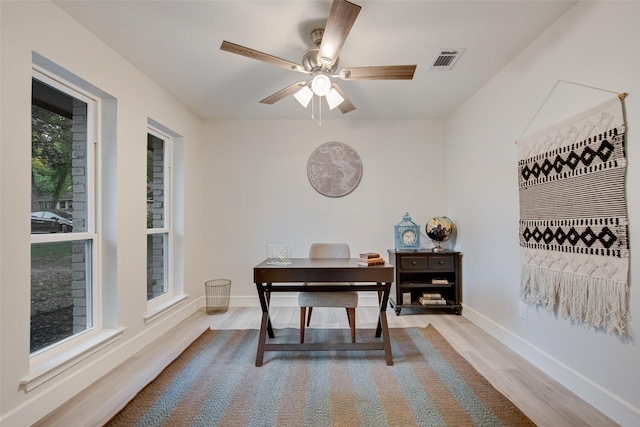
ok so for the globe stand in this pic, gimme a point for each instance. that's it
(437, 248)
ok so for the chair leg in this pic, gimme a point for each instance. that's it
(351, 315)
(309, 316)
(302, 316)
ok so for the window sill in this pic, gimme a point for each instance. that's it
(47, 368)
(160, 309)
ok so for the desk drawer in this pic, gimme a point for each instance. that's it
(441, 263)
(414, 263)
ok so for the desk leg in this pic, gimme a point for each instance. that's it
(386, 340)
(383, 300)
(265, 325)
(262, 339)
(268, 298)
(383, 328)
(379, 327)
(264, 294)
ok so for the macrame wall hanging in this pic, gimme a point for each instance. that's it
(573, 217)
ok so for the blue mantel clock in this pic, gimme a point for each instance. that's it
(407, 235)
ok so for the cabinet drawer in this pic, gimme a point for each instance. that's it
(414, 263)
(441, 263)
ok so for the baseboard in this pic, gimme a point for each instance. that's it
(43, 403)
(606, 402)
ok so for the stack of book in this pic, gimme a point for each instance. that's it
(371, 258)
(431, 298)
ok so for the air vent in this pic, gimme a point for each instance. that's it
(446, 59)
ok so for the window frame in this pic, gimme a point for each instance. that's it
(157, 303)
(48, 362)
(94, 311)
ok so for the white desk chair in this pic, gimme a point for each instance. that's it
(348, 300)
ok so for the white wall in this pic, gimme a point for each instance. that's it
(258, 179)
(593, 44)
(43, 28)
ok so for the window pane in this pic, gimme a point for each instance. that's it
(60, 291)
(155, 182)
(58, 161)
(61, 278)
(156, 265)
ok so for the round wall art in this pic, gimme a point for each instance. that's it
(334, 169)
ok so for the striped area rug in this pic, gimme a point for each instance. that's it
(215, 383)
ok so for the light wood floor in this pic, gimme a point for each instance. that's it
(541, 398)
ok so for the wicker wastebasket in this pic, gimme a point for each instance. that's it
(217, 294)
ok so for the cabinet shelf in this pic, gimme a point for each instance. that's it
(426, 285)
(414, 272)
(448, 305)
(420, 305)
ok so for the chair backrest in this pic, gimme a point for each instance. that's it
(329, 250)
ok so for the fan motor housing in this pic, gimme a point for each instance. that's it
(311, 59)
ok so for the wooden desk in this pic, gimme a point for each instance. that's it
(290, 278)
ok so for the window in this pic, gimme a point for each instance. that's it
(159, 231)
(63, 234)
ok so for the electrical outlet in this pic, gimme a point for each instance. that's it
(524, 310)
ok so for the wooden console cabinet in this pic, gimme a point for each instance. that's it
(420, 273)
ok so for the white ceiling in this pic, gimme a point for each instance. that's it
(177, 44)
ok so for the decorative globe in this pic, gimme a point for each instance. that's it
(439, 229)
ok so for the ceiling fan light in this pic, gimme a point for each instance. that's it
(321, 85)
(334, 98)
(303, 96)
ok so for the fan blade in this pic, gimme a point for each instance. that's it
(383, 72)
(283, 93)
(261, 56)
(342, 16)
(346, 105)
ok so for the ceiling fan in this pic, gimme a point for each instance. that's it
(321, 62)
